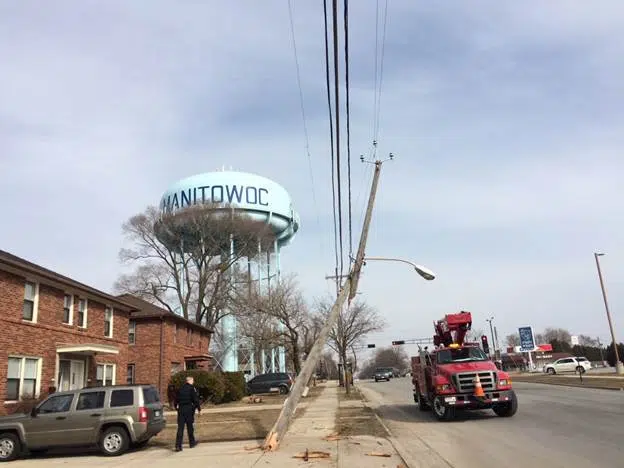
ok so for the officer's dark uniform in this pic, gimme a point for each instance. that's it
(187, 402)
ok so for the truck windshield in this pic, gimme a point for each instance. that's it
(447, 356)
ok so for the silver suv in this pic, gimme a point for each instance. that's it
(112, 418)
(568, 364)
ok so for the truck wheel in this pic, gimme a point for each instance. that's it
(551, 371)
(507, 409)
(443, 412)
(10, 447)
(419, 400)
(114, 441)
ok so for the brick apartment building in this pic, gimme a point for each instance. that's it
(56, 333)
(60, 334)
(162, 343)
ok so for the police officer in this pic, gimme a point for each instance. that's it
(187, 402)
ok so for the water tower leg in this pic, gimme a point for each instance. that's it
(281, 351)
(230, 331)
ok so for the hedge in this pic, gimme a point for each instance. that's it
(213, 387)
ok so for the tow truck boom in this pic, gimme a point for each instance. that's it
(452, 329)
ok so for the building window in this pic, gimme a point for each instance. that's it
(131, 332)
(68, 308)
(130, 374)
(82, 313)
(108, 322)
(105, 375)
(30, 297)
(22, 378)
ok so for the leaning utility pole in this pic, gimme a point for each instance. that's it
(347, 291)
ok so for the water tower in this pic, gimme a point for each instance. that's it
(259, 198)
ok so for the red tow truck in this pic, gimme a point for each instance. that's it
(459, 375)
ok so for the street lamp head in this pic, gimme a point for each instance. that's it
(598, 254)
(425, 272)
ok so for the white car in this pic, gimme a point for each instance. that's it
(569, 364)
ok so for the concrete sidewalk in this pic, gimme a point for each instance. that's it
(307, 431)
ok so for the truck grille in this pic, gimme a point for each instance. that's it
(465, 381)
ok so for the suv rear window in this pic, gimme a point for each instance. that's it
(581, 359)
(122, 398)
(150, 395)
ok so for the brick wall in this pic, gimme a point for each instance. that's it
(41, 339)
(145, 353)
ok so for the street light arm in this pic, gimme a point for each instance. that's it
(426, 273)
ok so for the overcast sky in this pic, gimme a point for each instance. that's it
(506, 119)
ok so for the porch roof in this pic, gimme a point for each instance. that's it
(198, 357)
(89, 349)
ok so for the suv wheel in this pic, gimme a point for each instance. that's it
(114, 441)
(283, 390)
(10, 447)
(580, 369)
(550, 370)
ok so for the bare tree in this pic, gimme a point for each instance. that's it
(285, 306)
(183, 259)
(513, 339)
(354, 323)
(585, 340)
(556, 334)
(386, 357)
(475, 334)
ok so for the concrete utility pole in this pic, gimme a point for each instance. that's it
(347, 291)
(619, 367)
(492, 335)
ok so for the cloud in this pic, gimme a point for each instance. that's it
(505, 119)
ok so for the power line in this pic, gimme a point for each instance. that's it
(378, 92)
(337, 117)
(346, 35)
(304, 119)
(331, 130)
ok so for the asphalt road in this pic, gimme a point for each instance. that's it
(555, 426)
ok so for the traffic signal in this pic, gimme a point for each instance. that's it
(484, 343)
(398, 342)
(371, 345)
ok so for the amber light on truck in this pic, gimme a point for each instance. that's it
(444, 388)
(504, 383)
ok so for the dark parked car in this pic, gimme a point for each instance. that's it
(280, 382)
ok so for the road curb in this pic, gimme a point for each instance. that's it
(408, 459)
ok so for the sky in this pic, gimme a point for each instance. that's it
(505, 119)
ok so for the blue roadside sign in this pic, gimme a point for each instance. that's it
(527, 342)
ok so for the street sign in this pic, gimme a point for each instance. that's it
(398, 342)
(574, 340)
(372, 345)
(527, 340)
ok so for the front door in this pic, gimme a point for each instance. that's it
(77, 375)
(71, 375)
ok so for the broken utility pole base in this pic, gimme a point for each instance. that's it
(348, 290)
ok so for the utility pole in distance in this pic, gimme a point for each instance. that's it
(619, 367)
(348, 290)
